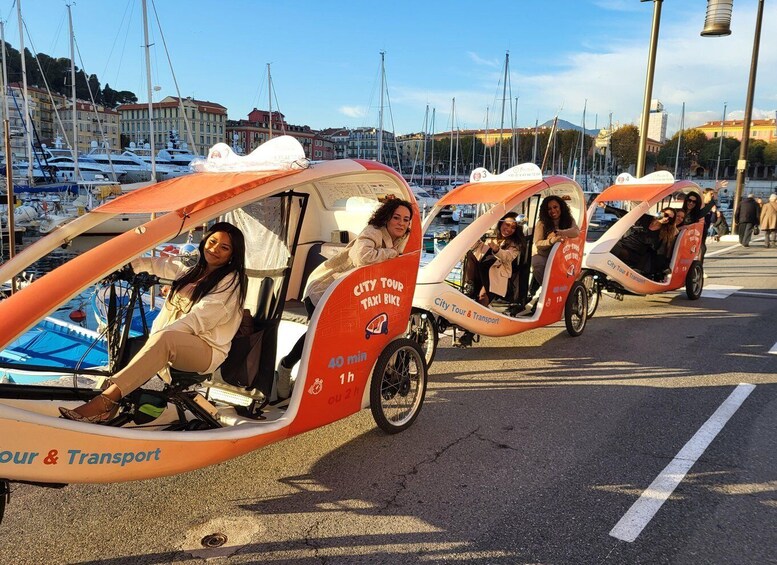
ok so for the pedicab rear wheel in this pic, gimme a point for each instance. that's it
(593, 290)
(576, 309)
(5, 496)
(422, 329)
(694, 281)
(398, 385)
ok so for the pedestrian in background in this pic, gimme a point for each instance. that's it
(719, 226)
(746, 218)
(769, 221)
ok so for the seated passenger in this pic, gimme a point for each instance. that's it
(647, 246)
(488, 266)
(194, 329)
(556, 225)
(384, 237)
(679, 218)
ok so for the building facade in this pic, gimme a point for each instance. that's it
(197, 122)
(657, 122)
(96, 126)
(765, 130)
(52, 121)
(247, 135)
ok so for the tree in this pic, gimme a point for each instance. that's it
(693, 142)
(755, 151)
(624, 144)
(770, 154)
(94, 87)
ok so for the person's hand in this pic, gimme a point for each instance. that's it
(720, 184)
(601, 205)
(493, 245)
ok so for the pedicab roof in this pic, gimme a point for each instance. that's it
(644, 192)
(482, 193)
(180, 193)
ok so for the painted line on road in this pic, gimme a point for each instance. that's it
(719, 290)
(758, 294)
(773, 350)
(642, 511)
(722, 251)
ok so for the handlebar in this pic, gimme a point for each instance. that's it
(143, 280)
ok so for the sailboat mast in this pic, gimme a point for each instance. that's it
(515, 138)
(8, 162)
(485, 141)
(502, 122)
(720, 143)
(534, 149)
(269, 95)
(450, 152)
(74, 148)
(433, 171)
(426, 136)
(151, 136)
(582, 145)
(679, 140)
(380, 114)
(27, 121)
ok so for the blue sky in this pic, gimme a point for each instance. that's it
(325, 57)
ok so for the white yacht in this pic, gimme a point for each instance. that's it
(134, 168)
(61, 159)
(164, 171)
(175, 153)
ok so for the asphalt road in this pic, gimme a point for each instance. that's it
(529, 449)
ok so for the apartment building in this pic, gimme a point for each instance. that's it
(197, 122)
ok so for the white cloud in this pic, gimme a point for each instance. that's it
(353, 111)
(478, 60)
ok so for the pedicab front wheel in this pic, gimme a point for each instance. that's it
(593, 290)
(398, 385)
(422, 329)
(576, 309)
(694, 281)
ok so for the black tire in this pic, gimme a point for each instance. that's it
(593, 290)
(422, 329)
(398, 385)
(694, 281)
(576, 309)
(5, 495)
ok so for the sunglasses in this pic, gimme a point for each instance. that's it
(693, 200)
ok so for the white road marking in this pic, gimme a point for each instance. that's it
(759, 294)
(718, 290)
(722, 251)
(642, 511)
(773, 350)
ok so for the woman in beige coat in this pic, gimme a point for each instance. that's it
(769, 221)
(384, 238)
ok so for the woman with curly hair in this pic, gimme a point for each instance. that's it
(488, 265)
(556, 225)
(384, 237)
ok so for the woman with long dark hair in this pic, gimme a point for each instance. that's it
(384, 237)
(555, 225)
(195, 326)
(488, 266)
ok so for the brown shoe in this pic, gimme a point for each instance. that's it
(109, 410)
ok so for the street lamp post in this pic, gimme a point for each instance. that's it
(717, 30)
(651, 67)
